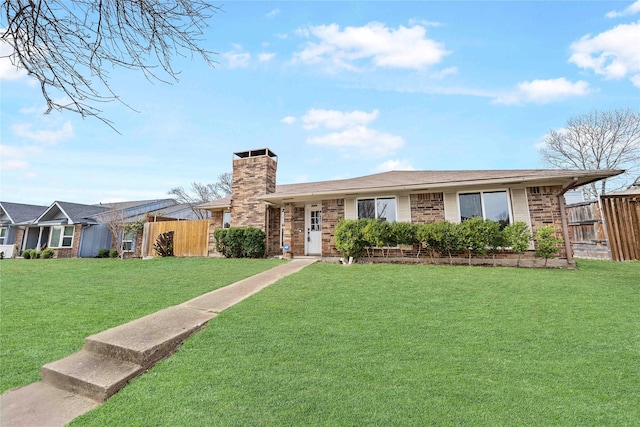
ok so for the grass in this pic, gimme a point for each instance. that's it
(407, 345)
(48, 307)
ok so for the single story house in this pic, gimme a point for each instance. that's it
(13, 219)
(303, 216)
(79, 230)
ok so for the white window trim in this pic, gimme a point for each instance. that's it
(375, 198)
(132, 241)
(223, 215)
(3, 234)
(484, 216)
(62, 236)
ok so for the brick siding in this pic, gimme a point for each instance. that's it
(544, 210)
(332, 211)
(427, 207)
(252, 177)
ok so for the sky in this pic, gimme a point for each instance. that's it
(336, 90)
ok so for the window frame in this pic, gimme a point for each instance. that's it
(482, 202)
(62, 236)
(130, 241)
(3, 234)
(375, 207)
(228, 223)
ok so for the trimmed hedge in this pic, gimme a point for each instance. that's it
(240, 242)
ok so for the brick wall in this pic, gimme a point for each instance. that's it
(294, 228)
(215, 222)
(427, 207)
(332, 211)
(273, 239)
(544, 210)
(252, 177)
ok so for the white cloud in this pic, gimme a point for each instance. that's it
(394, 165)
(273, 13)
(333, 119)
(613, 53)
(441, 74)
(543, 91)
(236, 58)
(8, 71)
(630, 10)
(301, 178)
(288, 120)
(404, 47)
(49, 137)
(363, 141)
(265, 57)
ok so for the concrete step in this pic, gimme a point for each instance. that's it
(89, 374)
(151, 338)
(41, 405)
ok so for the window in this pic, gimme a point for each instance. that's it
(3, 235)
(316, 220)
(381, 208)
(128, 241)
(493, 205)
(226, 219)
(61, 236)
(281, 226)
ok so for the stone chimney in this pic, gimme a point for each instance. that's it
(254, 174)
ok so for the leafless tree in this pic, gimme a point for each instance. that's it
(69, 46)
(597, 140)
(201, 193)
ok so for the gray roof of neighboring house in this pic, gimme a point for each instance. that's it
(21, 213)
(224, 202)
(76, 212)
(136, 203)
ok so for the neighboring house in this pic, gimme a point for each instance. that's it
(79, 230)
(13, 219)
(304, 215)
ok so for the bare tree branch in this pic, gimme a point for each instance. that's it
(69, 46)
(598, 140)
(201, 193)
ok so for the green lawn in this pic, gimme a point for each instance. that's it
(48, 307)
(395, 345)
(407, 345)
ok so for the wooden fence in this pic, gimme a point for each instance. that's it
(190, 238)
(586, 230)
(622, 217)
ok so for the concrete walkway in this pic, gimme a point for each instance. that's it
(80, 382)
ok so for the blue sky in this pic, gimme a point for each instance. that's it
(336, 90)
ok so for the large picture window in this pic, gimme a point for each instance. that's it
(493, 205)
(380, 208)
(61, 236)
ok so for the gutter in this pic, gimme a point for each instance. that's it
(563, 218)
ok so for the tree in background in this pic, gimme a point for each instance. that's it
(70, 46)
(598, 140)
(200, 193)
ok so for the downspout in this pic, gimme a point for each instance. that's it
(563, 219)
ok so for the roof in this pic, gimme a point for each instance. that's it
(75, 212)
(222, 203)
(409, 181)
(21, 213)
(136, 203)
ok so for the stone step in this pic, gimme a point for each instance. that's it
(89, 374)
(151, 338)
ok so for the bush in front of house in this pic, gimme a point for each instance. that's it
(350, 241)
(113, 253)
(517, 236)
(240, 242)
(103, 253)
(47, 253)
(28, 254)
(546, 243)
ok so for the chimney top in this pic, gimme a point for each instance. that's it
(255, 153)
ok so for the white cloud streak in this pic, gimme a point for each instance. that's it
(384, 47)
(613, 54)
(333, 119)
(630, 10)
(360, 141)
(394, 165)
(543, 91)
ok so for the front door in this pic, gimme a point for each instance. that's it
(313, 225)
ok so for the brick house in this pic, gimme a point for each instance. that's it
(303, 216)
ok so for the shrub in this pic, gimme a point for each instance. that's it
(113, 253)
(103, 253)
(447, 238)
(547, 243)
(403, 233)
(517, 236)
(472, 236)
(28, 253)
(377, 233)
(240, 242)
(349, 237)
(47, 253)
